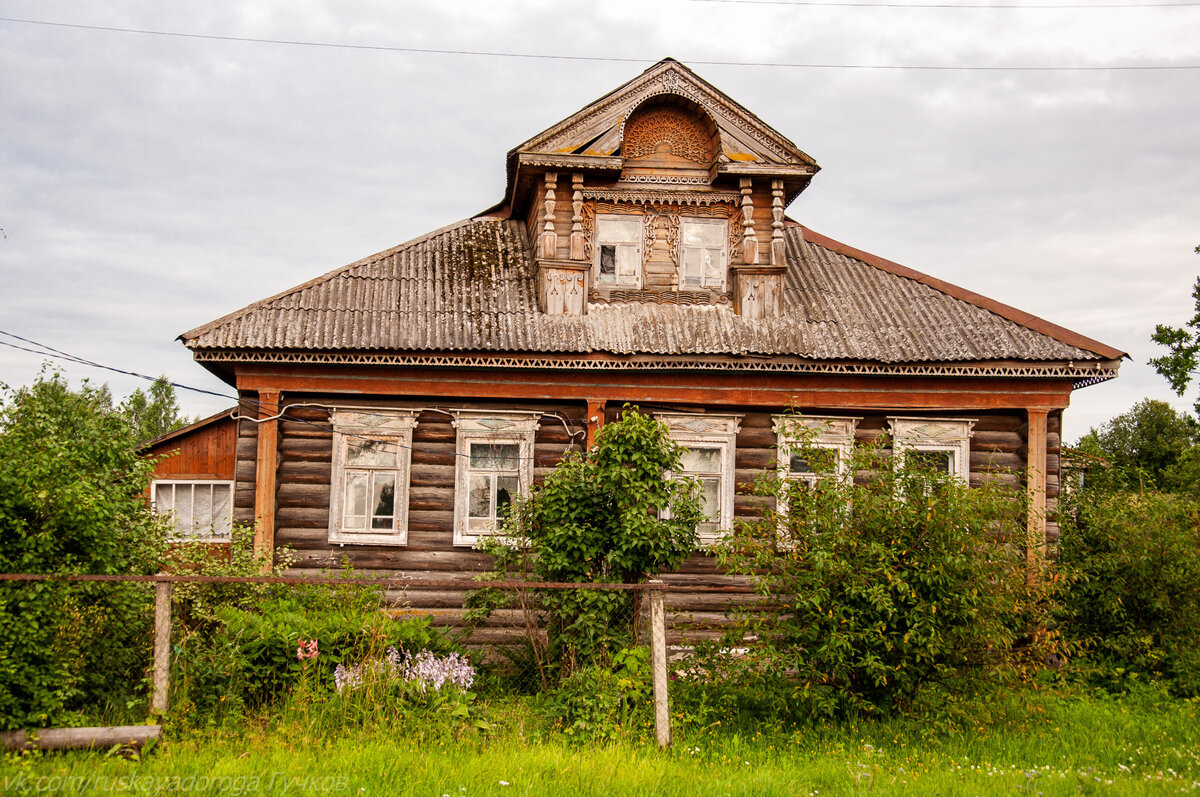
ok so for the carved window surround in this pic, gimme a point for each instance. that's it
(494, 460)
(794, 432)
(949, 435)
(371, 451)
(711, 441)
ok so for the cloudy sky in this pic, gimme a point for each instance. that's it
(151, 183)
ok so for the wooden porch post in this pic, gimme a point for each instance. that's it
(266, 468)
(1035, 484)
(658, 666)
(595, 419)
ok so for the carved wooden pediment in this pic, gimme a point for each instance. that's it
(598, 129)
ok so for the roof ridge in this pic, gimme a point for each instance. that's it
(327, 276)
(1019, 317)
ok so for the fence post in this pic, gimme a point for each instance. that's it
(658, 664)
(162, 646)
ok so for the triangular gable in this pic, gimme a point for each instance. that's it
(596, 129)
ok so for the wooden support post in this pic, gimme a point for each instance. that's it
(658, 665)
(265, 474)
(162, 646)
(1035, 484)
(595, 419)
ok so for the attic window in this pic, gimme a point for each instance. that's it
(703, 253)
(618, 259)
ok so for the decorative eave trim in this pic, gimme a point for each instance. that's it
(1083, 373)
(567, 161)
(665, 196)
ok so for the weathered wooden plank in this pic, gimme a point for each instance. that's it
(302, 517)
(306, 449)
(76, 738)
(426, 475)
(305, 472)
(430, 520)
(995, 460)
(440, 499)
(313, 496)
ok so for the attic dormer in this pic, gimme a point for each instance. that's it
(665, 190)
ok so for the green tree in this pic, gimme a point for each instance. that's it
(613, 515)
(1182, 361)
(1149, 446)
(153, 412)
(72, 500)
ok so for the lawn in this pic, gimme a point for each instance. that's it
(1055, 745)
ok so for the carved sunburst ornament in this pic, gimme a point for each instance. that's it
(670, 130)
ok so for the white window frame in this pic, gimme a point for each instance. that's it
(635, 245)
(818, 431)
(951, 435)
(380, 425)
(723, 225)
(484, 427)
(709, 431)
(221, 533)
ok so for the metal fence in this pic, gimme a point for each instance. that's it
(519, 633)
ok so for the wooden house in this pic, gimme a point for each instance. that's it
(641, 254)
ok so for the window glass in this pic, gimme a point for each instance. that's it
(201, 510)
(619, 250)
(494, 467)
(702, 252)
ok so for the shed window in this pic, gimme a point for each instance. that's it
(703, 253)
(371, 459)
(618, 258)
(494, 466)
(709, 442)
(199, 510)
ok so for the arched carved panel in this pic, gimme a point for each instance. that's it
(669, 129)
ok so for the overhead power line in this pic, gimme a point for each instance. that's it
(604, 59)
(956, 6)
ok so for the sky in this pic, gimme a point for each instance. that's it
(150, 183)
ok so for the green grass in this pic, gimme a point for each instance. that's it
(1047, 744)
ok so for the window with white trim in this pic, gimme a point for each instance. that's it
(703, 252)
(618, 251)
(493, 466)
(802, 440)
(199, 509)
(372, 455)
(942, 444)
(709, 443)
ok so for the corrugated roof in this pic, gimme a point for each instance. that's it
(470, 287)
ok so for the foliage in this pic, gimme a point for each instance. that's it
(1181, 363)
(72, 500)
(876, 589)
(153, 412)
(612, 516)
(596, 703)
(1131, 566)
(1151, 446)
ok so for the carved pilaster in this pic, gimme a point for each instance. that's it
(749, 239)
(577, 237)
(778, 255)
(549, 247)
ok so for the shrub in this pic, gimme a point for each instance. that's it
(595, 703)
(612, 516)
(876, 589)
(1130, 563)
(72, 501)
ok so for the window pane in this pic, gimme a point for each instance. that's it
(506, 490)
(608, 263)
(714, 268)
(371, 453)
(495, 456)
(222, 509)
(816, 460)
(692, 268)
(356, 500)
(701, 460)
(383, 499)
(479, 496)
(710, 234)
(711, 488)
(618, 230)
(202, 509)
(183, 509)
(628, 263)
(164, 497)
(940, 461)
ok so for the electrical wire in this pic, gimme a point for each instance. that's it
(956, 6)
(595, 58)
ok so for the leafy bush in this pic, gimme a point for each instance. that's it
(72, 501)
(612, 516)
(1130, 563)
(876, 589)
(595, 703)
